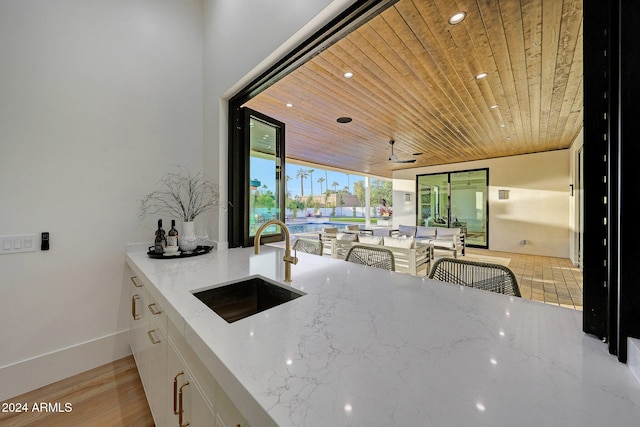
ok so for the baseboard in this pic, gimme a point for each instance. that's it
(39, 371)
(633, 356)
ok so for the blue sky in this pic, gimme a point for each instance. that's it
(263, 170)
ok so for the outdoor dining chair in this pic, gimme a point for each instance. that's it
(481, 275)
(308, 246)
(373, 257)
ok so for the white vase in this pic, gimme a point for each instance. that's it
(187, 239)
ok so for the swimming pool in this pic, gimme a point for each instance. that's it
(298, 228)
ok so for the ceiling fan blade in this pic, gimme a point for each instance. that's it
(394, 158)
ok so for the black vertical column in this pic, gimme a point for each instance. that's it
(628, 315)
(598, 98)
(611, 156)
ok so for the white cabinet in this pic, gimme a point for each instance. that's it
(148, 341)
(227, 415)
(180, 390)
(191, 400)
(188, 404)
(138, 320)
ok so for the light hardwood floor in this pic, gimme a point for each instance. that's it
(110, 395)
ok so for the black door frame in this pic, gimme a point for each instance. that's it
(449, 191)
(611, 60)
(354, 16)
(239, 216)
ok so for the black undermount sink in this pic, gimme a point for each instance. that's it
(245, 298)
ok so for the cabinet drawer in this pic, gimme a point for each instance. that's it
(148, 340)
(157, 315)
(144, 306)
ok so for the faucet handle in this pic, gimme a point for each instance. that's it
(290, 259)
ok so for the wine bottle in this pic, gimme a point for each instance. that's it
(160, 241)
(172, 237)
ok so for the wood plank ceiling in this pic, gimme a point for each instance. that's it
(414, 82)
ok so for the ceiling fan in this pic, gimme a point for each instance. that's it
(394, 158)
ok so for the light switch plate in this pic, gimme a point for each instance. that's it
(18, 243)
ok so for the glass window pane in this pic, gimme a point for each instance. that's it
(468, 205)
(263, 176)
(433, 200)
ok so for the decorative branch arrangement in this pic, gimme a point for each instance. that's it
(184, 196)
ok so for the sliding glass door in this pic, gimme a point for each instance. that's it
(455, 199)
(433, 200)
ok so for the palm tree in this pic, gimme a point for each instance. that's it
(302, 174)
(311, 179)
(320, 181)
(335, 186)
(348, 183)
(287, 178)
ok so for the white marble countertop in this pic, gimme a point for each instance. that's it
(366, 347)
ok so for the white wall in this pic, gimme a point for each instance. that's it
(537, 209)
(242, 39)
(575, 207)
(97, 100)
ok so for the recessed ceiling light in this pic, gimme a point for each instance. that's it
(289, 105)
(481, 76)
(348, 75)
(502, 125)
(493, 107)
(457, 18)
(344, 119)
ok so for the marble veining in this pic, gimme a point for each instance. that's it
(366, 347)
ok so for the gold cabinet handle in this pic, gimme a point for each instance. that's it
(152, 338)
(181, 407)
(175, 392)
(152, 308)
(135, 315)
(134, 280)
